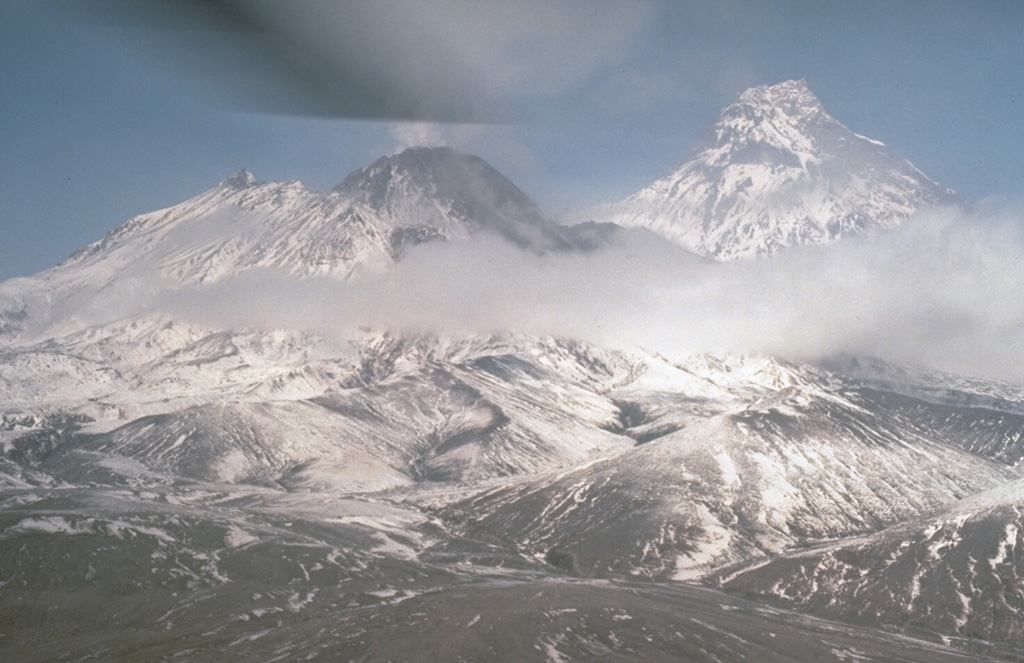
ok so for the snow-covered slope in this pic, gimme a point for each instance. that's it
(809, 461)
(382, 412)
(193, 572)
(958, 572)
(239, 224)
(525, 459)
(776, 170)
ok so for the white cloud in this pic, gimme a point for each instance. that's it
(481, 55)
(943, 291)
(443, 60)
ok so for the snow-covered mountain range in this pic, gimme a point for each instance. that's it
(776, 170)
(203, 490)
(242, 223)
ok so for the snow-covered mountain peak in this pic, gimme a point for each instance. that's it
(775, 169)
(785, 121)
(794, 94)
(241, 179)
(440, 190)
(422, 177)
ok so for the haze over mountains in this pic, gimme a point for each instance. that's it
(205, 454)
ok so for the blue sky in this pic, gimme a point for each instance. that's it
(101, 120)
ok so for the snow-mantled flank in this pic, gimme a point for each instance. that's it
(370, 221)
(776, 170)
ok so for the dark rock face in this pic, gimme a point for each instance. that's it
(456, 194)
